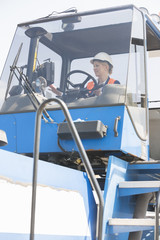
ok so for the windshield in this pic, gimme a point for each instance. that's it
(52, 58)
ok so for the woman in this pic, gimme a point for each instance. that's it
(102, 66)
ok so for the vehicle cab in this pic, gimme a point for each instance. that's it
(58, 50)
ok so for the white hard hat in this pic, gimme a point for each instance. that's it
(102, 56)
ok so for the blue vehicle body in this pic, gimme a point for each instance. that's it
(87, 172)
(18, 123)
(62, 183)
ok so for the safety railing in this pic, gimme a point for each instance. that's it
(157, 209)
(84, 157)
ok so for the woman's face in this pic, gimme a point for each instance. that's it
(100, 69)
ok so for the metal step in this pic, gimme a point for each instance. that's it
(118, 225)
(138, 187)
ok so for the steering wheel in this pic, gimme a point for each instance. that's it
(79, 90)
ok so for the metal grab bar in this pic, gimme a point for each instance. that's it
(116, 126)
(87, 165)
(157, 209)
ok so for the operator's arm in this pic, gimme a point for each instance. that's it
(55, 90)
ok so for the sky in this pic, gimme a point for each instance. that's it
(19, 11)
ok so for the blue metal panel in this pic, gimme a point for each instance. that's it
(25, 129)
(151, 166)
(146, 171)
(136, 191)
(114, 205)
(17, 170)
(122, 229)
(24, 124)
(19, 128)
(131, 143)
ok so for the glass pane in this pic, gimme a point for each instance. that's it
(136, 85)
(14, 93)
(43, 54)
(153, 81)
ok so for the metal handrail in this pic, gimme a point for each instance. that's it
(157, 209)
(87, 165)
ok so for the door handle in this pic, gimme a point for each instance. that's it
(116, 126)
